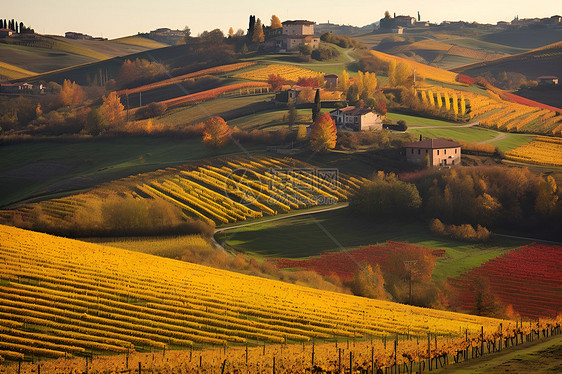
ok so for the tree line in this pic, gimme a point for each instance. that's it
(18, 28)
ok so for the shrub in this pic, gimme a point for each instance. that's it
(464, 232)
(151, 110)
(401, 125)
(324, 53)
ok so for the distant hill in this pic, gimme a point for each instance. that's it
(542, 61)
(321, 28)
(527, 37)
(42, 53)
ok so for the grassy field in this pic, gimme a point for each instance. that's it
(467, 134)
(140, 42)
(52, 167)
(8, 72)
(413, 121)
(203, 111)
(310, 235)
(40, 59)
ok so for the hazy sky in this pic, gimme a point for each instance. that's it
(116, 18)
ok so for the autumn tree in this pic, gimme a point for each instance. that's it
(392, 73)
(216, 133)
(276, 81)
(186, 34)
(369, 282)
(275, 22)
(258, 35)
(112, 111)
(230, 32)
(301, 133)
(323, 134)
(343, 84)
(71, 94)
(402, 74)
(139, 70)
(292, 115)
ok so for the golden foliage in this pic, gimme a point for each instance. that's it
(323, 134)
(216, 133)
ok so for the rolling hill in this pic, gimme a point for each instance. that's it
(46, 53)
(78, 297)
(542, 61)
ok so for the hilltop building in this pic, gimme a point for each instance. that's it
(434, 152)
(293, 34)
(21, 88)
(331, 81)
(356, 119)
(5, 32)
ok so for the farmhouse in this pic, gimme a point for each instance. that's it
(356, 119)
(5, 32)
(434, 152)
(19, 88)
(548, 80)
(295, 33)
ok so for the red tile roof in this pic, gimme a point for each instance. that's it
(298, 22)
(434, 144)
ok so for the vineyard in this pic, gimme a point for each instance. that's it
(288, 72)
(225, 191)
(346, 264)
(527, 278)
(428, 72)
(61, 297)
(491, 111)
(542, 150)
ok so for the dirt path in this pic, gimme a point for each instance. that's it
(544, 356)
(500, 136)
(446, 127)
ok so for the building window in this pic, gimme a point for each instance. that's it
(455, 151)
(426, 151)
(445, 151)
(412, 150)
(437, 152)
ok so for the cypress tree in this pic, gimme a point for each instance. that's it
(316, 107)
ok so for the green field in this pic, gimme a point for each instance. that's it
(413, 121)
(467, 134)
(46, 168)
(203, 111)
(310, 235)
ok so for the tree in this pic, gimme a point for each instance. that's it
(292, 116)
(111, 110)
(402, 74)
(186, 34)
(302, 133)
(216, 133)
(230, 32)
(401, 125)
(353, 94)
(213, 37)
(71, 94)
(251, 26)
(258, 35)
(276, 81)
(244, 49)
(275, 22)
(369, 282)
(344, 83)
(317, 106)
(392, 73)
(323, 134)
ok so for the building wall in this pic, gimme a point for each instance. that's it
(298, 29)
(437, 157)
(293, 44)
(370, 121)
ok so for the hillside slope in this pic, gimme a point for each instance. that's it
(93, 294)
(542, 61)
(47, 53)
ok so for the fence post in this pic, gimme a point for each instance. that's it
(429, 350)
(224, 365)
(350, 362)
(482, 342)
(372, 357)
(273, 364)
(140, 367)
(339, 361)
(312, 353)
